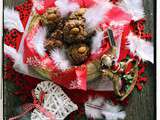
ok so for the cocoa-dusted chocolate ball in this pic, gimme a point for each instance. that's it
(78, 15)
(56, 31)
(52, 43)
(75, 32)
(78, 53)
(57, 34)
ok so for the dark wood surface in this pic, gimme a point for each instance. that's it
(141, 104)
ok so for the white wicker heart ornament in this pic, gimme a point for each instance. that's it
(55, 101)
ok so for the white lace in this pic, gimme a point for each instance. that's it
(55, 101)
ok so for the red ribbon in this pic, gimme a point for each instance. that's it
(36, 104)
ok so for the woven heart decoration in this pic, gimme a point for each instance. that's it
(55, 101)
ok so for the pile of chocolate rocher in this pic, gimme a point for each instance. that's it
(69, 33)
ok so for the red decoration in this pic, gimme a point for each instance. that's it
(138, 29)
(24, 10)
(13, 38)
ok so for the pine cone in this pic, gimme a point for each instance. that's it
(52, 43)
(78, 53)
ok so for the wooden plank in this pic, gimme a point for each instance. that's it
(142, 104)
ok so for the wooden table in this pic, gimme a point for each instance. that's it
(141, 104)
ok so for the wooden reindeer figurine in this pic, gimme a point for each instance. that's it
(116, 70)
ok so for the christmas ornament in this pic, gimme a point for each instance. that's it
(55, 101)
(116, 72)
(50, 103)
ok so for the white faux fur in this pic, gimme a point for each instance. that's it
(96, 14)
(93, 112)
(60, 59)
(98, 107)
(12, 20)
(113, 112)
(97, 41)
(134, 7)
(11, 52)
(65, 6)
(142, 48)
(114, 116)
(17, 58)
(38, 41)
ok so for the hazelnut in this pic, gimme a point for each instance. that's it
(82, 49)
(51, 17)
(81, 11)
(75, 30)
